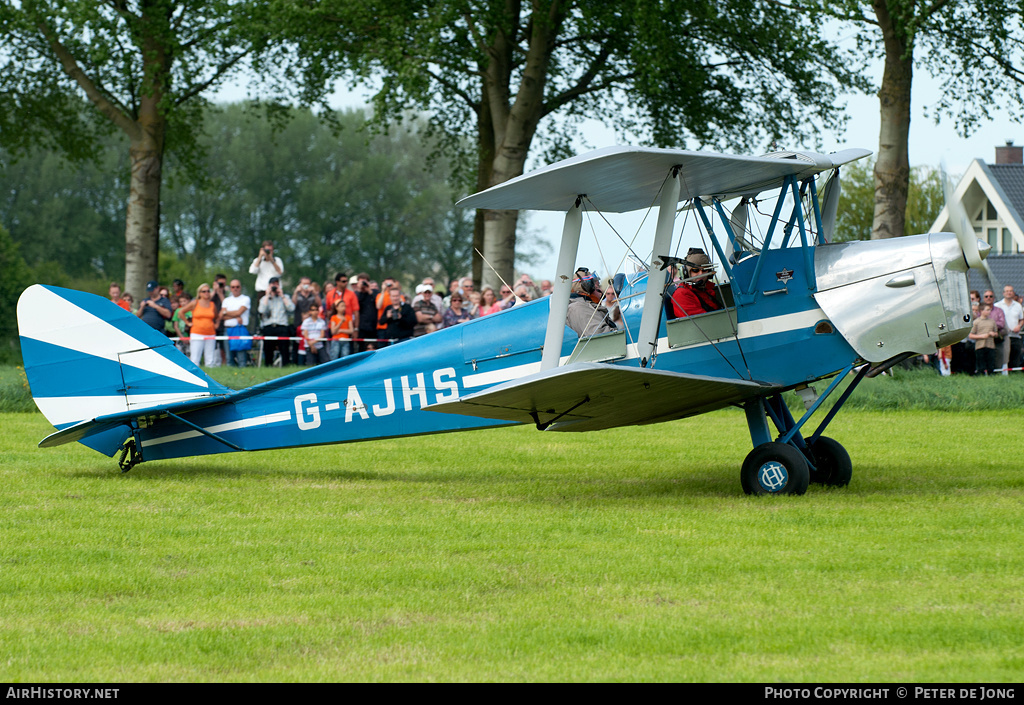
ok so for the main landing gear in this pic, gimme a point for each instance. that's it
(775, 468)
(789, 463)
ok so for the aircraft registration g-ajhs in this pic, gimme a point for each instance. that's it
(794, 310)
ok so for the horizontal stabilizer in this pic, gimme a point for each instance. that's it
(101, 424)
(78, 432)
(588, 396)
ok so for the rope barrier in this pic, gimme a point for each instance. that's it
(275, 337)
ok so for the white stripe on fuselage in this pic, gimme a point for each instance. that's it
(758, 327)
(220, 428)
(747, 329)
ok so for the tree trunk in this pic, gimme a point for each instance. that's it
(500, 225)
(146, 150)
(514, 127)
(892, 168)
(499, 247)
(485, 164)
(142, 224)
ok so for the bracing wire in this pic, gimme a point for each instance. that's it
(518, 300)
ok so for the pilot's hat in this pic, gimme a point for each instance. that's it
(695, 257)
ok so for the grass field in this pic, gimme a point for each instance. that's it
(629, 554)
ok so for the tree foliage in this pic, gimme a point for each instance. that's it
(68, 219)
(340, 200)
(14, 278)
(735, 73)
(925, 200)
(974, 47)
(143, 65)
(346, 201)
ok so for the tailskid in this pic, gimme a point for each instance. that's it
(130, 455)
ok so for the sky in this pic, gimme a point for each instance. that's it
(931, 144)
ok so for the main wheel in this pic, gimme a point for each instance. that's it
(774, 468)
(832, 463)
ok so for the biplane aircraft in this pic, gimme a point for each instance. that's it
(795, 310)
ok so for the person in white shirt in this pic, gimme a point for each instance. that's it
(234, 312)
(265, 266)
(1014, 314)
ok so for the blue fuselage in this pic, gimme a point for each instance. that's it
(783, 339)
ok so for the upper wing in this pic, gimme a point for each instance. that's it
(622, 179)
(587, 396)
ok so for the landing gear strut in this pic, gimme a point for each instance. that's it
(787, 464)
(130, 456)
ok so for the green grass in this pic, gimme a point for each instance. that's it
(511, 554)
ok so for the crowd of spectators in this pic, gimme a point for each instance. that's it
(312, 323)
(316, 323)
(994, 343)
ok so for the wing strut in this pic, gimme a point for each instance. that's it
(542, 426)
(647, 340)
(559, 301)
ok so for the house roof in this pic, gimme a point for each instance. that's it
(1008, 269)
(1009, 180)
(1002, 185)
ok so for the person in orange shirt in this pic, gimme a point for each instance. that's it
(342, 330)
(203, 336)
(342, 290)
(383, 302)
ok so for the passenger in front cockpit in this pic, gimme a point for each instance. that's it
(585, 314)
(697, 293)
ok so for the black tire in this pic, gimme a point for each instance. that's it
(833, 467)
(774, 468)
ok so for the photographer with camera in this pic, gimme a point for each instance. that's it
(276, 309)
(398, 316)
(366, 295)
(265, 266)
(156, 309)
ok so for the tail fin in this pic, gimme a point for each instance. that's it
(86, 357)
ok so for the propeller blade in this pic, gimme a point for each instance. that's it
(738, 224)
(961, 226)
(830, 206)
(992, 281)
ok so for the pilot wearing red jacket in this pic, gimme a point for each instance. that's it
(697, 293)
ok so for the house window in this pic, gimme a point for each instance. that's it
(996, 233)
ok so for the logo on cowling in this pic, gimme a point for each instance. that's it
(772, 476)
(785, 275)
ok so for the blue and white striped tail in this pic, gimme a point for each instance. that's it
(86, 357)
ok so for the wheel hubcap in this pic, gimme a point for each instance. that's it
(773, 476)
